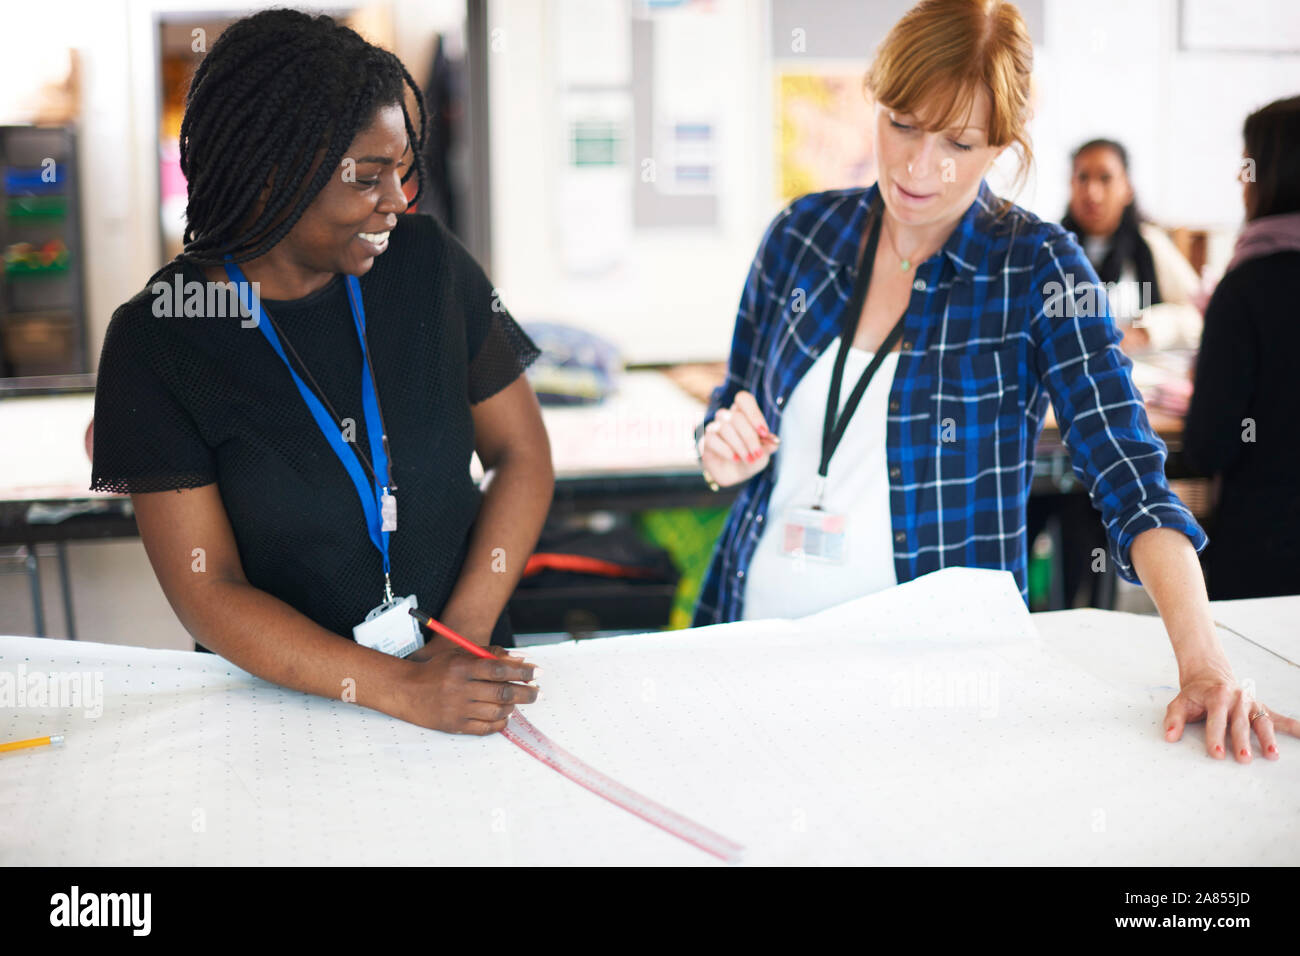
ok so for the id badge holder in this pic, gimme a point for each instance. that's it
(390, 628)
(814, 533)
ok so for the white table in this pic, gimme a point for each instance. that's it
(931, 724)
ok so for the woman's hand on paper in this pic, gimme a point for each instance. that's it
(1213, 695)
(453, 691)
(737, 444)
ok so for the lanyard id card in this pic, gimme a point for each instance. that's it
(815, 534)
(390, 628)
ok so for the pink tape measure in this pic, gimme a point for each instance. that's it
(520, 732)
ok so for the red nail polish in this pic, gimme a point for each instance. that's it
(735, 456)
(1245, 752)
(1218, 748)
(1272, 749)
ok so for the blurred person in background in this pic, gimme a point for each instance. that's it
(1152, 286)
(1241, 425)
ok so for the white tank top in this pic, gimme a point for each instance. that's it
(857, 486)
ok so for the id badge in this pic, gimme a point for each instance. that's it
(814, 533)
(390, 628)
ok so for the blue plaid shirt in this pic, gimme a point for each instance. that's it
(1009, 313)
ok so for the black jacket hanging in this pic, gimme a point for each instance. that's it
(444, 105)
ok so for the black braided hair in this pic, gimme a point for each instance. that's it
(277, 89)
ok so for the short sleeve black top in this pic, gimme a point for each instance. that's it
(186, 400)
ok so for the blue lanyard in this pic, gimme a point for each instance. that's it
(370, 494)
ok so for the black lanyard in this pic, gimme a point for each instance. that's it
(320, 393)
(832, 430)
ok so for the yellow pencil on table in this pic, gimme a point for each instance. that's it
(52, 740)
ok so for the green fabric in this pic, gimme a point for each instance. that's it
(1042, 563)
(688, 535)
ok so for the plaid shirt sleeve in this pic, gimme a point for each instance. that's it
(756, 302)
(1113, 448)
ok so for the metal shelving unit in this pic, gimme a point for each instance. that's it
(42, 286)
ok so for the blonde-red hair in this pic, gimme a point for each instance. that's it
(936, 57)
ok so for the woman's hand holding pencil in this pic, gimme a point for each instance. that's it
(737, 444)
(462, 688)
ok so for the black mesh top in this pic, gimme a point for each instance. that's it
(184, 402)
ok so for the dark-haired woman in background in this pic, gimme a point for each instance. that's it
(1154, 286)
(1241, 425)
(1151, 289)
(268, 457)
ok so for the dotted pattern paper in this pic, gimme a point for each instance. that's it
(932, 723)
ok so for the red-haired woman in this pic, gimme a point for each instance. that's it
(894, 353)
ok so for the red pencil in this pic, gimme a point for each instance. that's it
(440, 628)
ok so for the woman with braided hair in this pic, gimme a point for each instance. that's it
(270, 447)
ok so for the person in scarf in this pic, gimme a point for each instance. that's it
(1151, 286)
(1241, 424)
(1152, 290)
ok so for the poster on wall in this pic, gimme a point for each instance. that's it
(823, 132)
(680, 86)
(592, 199)
(593, 211)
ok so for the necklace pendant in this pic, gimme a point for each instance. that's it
(904, 265)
